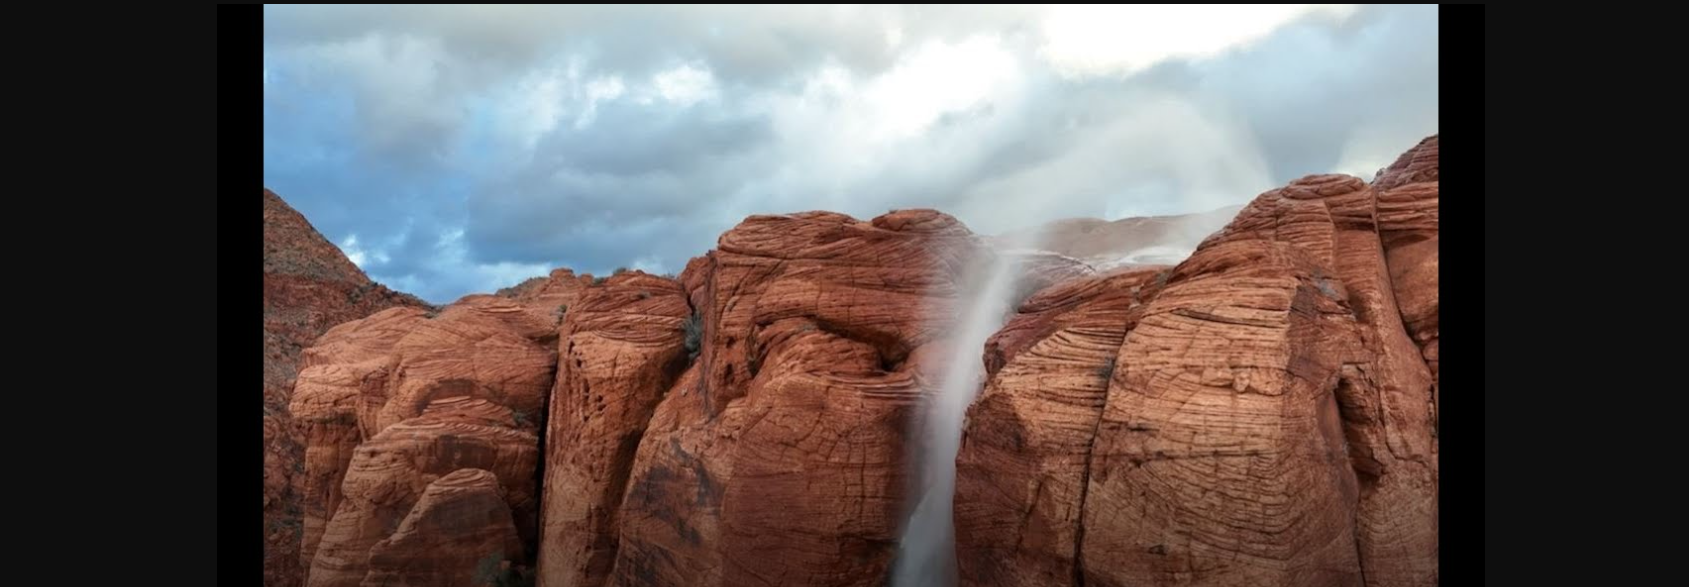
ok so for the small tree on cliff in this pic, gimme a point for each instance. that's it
(693, 327)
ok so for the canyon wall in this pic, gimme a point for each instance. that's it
(309, 286)
(1261, 412)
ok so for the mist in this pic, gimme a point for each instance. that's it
(926, 549)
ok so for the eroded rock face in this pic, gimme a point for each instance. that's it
(1417, 165)
(1385, 390)
(1260, 413)
(392, 403)
(1267, 415)
(779, 457)
(548, 298)
(390, 473)
(459, 533)
(1021, 471)
(1220, 458)
(1407, 223)
(623, 345)
(309, 286)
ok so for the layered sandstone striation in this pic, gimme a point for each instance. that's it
(460, 532)
(623, 347)
(1021, 475)
(1219, 455)
(1407, 224)
(393, 403)
(309, 286)
(779, 456)
(1263, 413)
(1385, 388)
(1260, 413)
(389, 475)
(549, 296)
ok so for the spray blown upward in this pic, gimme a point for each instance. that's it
(927, 549)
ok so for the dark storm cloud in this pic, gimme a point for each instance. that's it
(469, 147)
(749, 44)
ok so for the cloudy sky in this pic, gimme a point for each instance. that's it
(458, 149)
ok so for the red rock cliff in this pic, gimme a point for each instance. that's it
(309, 286)
(779, 456)
(1264, 413)
(396, 407)
(622, 346)
(1261, 413)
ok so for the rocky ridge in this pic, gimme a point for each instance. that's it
(1262, 412)
(309, 286)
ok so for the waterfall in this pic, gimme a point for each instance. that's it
(927, 551)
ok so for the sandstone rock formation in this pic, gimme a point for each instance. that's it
(778, 458)
(1219, 455)
(309, 286)
(1022, 473)
(549, 296)
(459, 533)
(388, 478)
(1259, 414)
(1385, 385)
(397, 401)
(623, 347)
(1407, 223)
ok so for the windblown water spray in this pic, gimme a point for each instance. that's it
(926, 556)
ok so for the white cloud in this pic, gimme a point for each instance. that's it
(1164, 155)
(936, 79)
(360, 255)
(649, 264)
(496, 276)
(350, 247)
(1095, 39)
(534, 106)
(599, 90)
(605, 89)
(685, 85)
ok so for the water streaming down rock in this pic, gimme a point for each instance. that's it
(927, 556)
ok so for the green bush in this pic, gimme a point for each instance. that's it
(693, 326)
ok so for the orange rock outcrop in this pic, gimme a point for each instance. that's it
(309, 286)
(1263, 413)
